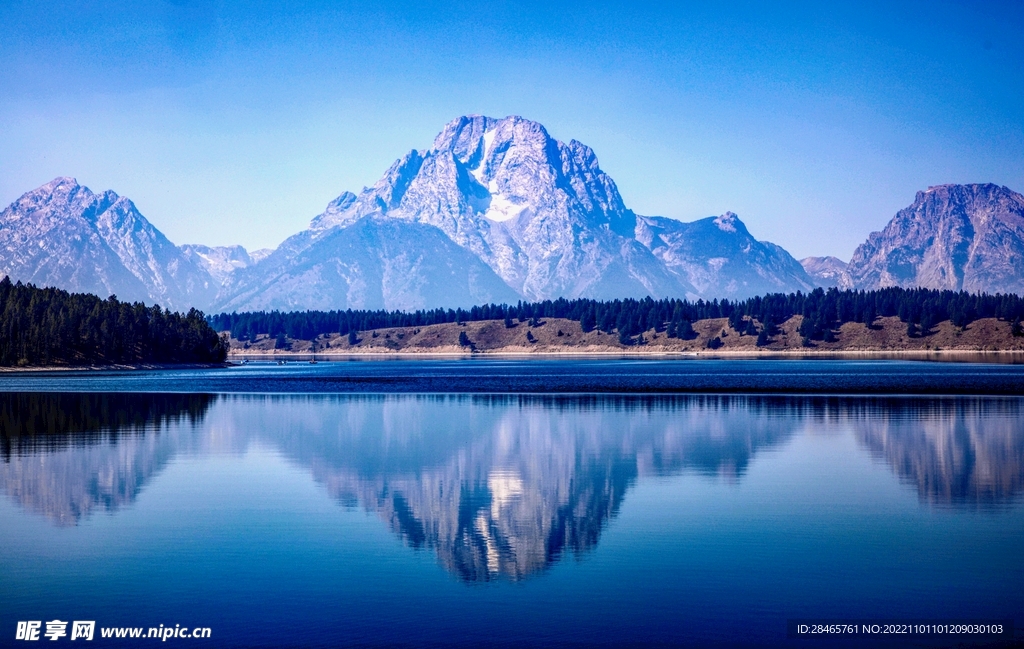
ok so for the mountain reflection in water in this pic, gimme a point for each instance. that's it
(962, 452)
(66, 454)
(499, 487)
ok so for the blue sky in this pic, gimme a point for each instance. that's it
(237, 123)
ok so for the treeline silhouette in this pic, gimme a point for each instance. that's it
(823, 312)
(49, 326)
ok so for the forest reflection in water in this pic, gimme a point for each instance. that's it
(499, 487)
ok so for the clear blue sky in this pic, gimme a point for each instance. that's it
(237, 123)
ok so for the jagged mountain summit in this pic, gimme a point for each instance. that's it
(64, 235)
(957, 237)
(539, 213)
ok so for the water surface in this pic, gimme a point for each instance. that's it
(550, 375)
(506, 519)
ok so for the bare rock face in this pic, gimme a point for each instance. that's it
(957, 237)
(827, 272)
(63, 235)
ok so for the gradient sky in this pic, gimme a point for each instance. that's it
(237, 123)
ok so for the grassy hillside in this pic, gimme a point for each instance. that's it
(559, 335)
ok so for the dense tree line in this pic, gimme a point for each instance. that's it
(48, 326)
(823, 312)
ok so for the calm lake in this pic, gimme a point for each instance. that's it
(457, 503)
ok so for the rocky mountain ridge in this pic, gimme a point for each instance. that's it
(495, 211)
(541, 215)
(956, 237)
(62, 234)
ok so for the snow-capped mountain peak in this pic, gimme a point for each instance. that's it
(494, 210)
(540, 213)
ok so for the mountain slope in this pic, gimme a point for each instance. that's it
(374, 263)
(968, 237)
(496, 210)
(220, 262)
(64, 235)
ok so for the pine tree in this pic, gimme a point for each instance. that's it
(736, 321)
(588, 320)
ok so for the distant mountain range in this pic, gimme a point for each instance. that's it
(495, 211)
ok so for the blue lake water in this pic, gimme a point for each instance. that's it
(341, 510)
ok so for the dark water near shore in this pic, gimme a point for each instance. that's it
(504, 519)
(546, 375)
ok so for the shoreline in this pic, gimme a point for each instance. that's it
(237, 359)
(335, 356)
(124, 367)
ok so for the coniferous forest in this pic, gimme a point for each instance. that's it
(823, 313)
(49, 326)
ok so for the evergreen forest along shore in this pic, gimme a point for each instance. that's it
(52, 327)
(886, 319)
